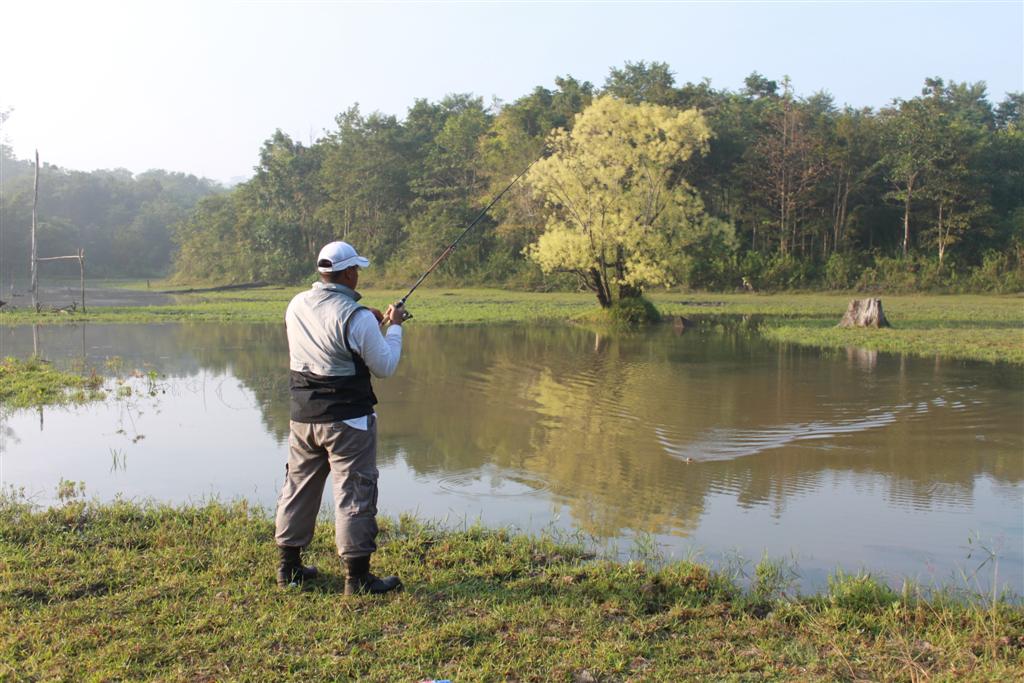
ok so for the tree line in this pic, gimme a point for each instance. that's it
(925, 192)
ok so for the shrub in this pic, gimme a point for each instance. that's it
(713, 273)
(998, 272)
(786, 272)
(633, 311)
(841, 271)
(890, 274)
(751, 267)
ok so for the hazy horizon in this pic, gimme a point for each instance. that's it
(197, 87)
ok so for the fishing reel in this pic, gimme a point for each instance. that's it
(406, 315)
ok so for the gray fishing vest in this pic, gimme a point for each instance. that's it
(328, 381)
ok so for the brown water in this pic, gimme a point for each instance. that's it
(713, 442)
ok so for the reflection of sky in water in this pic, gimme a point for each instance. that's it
(790, 454)
(200, 439)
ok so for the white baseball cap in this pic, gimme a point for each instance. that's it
(339, 256)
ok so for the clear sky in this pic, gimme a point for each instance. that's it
(198, 86)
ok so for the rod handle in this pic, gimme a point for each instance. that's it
(406, 315)
(400, 305)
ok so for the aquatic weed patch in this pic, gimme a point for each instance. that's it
(132, 591)
(33, 382)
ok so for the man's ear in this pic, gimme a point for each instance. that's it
(350, 274)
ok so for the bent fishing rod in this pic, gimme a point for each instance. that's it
(451, 247)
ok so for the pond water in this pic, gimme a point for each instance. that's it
(711, 443)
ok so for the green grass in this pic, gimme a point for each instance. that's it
(987, 328)
(124, 591)
(974, 327)
(986, 344)
(33, 382)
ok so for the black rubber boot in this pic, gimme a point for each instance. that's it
(290, 571)
(359, 580)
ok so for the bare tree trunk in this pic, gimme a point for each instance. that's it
(842, 215)
(600, 276)
(628, 292)
(34, 281)
(81, 270)
(835, 219)
(603, 297)
(906, 217)
(625, 291)
(784, 194)
(842, 199)
(782, 222)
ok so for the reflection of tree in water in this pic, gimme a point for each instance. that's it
(592, 419)
(585, 418)
(256, 354)
(607, 423)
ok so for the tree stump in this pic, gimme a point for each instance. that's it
(864, 313)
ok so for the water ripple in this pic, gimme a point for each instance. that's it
(726, 444)
(488, 483)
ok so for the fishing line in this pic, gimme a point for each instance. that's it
(451, 247)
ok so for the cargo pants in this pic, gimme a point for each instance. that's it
(350, 456)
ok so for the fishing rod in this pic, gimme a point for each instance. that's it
(451, 247)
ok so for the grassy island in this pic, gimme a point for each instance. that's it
(144, 592)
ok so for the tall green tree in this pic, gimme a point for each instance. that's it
(638, 82)
(284, 198)
(853, 152)
(910, 133)
(365, 180)
(213, 244)
(447, 185)
(785, 165)
(961, 195)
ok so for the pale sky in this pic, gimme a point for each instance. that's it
(198, 86)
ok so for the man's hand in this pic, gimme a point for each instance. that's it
(395, 314)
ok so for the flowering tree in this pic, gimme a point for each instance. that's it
(619, 213)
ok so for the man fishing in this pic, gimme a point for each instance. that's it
(334, 345)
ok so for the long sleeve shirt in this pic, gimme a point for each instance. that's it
(381, 353)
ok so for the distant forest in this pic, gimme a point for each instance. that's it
(925, 193)
(124, 222)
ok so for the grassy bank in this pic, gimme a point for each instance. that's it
(122, 591)
(978, 327)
